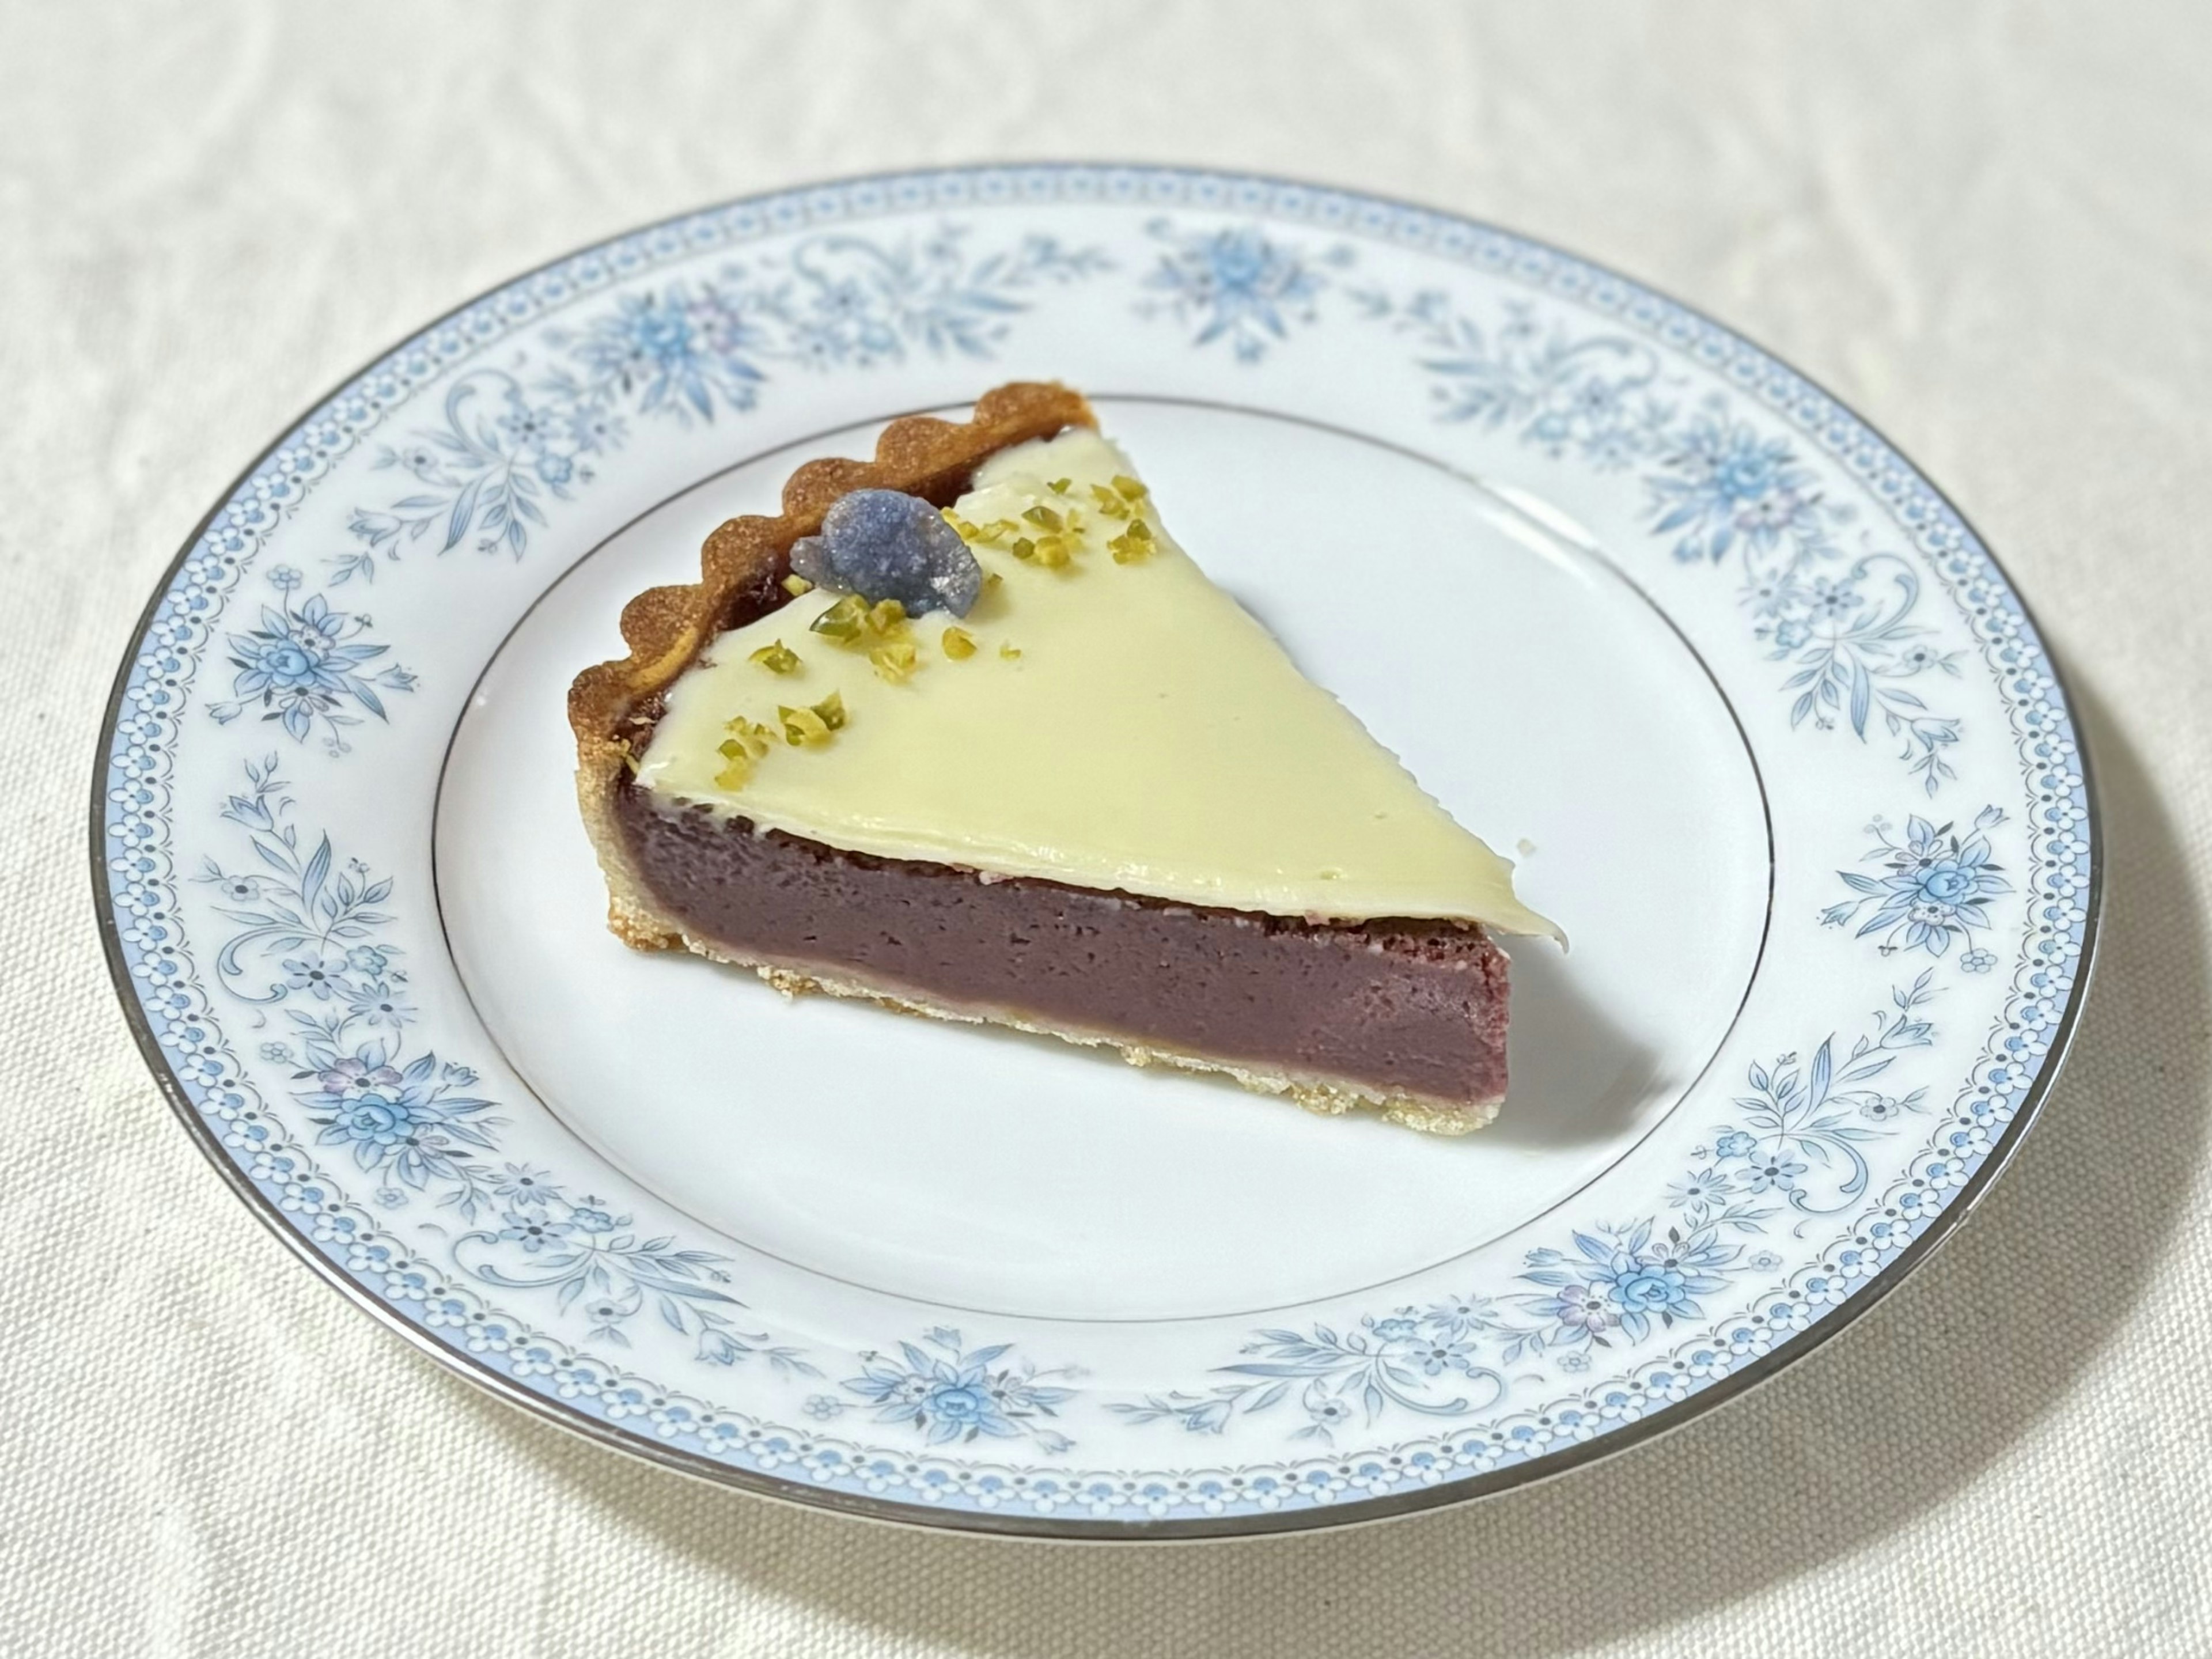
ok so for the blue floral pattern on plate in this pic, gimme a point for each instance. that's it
(357, 1123)
(1234, 283)
(1937, 890)
(308, 664)
(1718, 486)
(508, 446)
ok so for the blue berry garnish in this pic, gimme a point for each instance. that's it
(883, 545)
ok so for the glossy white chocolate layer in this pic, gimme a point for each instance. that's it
(1150, 736)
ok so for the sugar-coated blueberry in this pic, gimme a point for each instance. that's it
(882, 544)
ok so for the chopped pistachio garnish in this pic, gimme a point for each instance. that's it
(1110, 504)
(1130, 489)
(959, 644)
(1024, 549)
(1133, 543)
(843, 620)
(894, 660)
(832, 710)
(747, 742)
(1060, 486)
(1042, 517)
(1052, 552)
(884, 615)
(777, 659)
(966, 531)
(803, 727)
(991, 580)
(1010, 652)
(797, 586)
(746, 738)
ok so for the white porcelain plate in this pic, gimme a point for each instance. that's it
(1772, 736)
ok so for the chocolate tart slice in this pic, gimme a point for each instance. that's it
(966, 732)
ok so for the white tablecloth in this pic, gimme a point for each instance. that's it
(1988, 226)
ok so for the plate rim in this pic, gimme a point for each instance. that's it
(1675, 1415)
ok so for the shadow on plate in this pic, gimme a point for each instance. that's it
(1829, 1459)
(1576, 1076)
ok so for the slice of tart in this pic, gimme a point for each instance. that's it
(965, 732)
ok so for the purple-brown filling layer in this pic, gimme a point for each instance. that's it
(1415, 1008)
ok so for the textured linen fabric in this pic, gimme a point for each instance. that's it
(1987, 226)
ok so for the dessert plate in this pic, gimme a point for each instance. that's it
(1776, 741)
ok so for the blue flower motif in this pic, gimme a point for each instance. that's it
(1936, 891)
(1235, 282)
(1699, 1187)
(1626, 1279)
(652, 347)
(1832, 601)
(315, 974)
(1722, 480)
(402, 1120)
(1978, 961)
(282, 661)
(951, 1393)
(1773, 1172)
(376, 1119)
(307, 664)
(1436, 1355)
(525, 1185)
(1650, 1289)
(1734, 1143)
(378, 1006)
(534, 1230)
